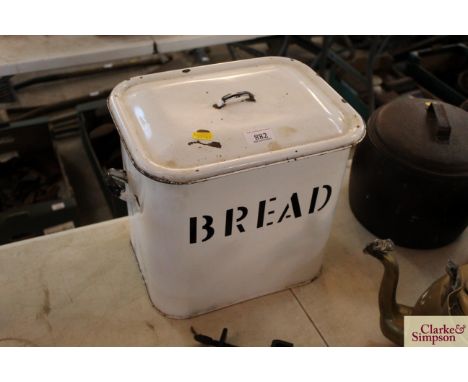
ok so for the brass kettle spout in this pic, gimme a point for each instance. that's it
(391, 313)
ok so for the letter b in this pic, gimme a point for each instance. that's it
(207, 227)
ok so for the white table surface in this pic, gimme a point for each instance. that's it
(168, 44)
(23, 54)
(83, 287)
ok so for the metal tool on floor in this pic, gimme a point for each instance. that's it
(206, 340)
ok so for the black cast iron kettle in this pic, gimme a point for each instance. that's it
(409, 177)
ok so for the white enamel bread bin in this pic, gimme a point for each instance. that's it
(232, 175)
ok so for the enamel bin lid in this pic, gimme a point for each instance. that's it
(187, 125)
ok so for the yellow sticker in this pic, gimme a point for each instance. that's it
(202, 135)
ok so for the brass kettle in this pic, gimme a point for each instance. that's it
(446, 296)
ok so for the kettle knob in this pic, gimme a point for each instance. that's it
(438, 111)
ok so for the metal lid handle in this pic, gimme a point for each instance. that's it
(443, 124)
(222, 102)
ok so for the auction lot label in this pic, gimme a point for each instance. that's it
(436, 331)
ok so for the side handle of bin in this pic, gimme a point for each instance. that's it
(117, 183)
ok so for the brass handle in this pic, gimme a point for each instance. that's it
(222, 102)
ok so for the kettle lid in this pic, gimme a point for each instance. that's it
(423, 133)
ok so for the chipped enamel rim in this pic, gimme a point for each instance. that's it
(153, 170)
